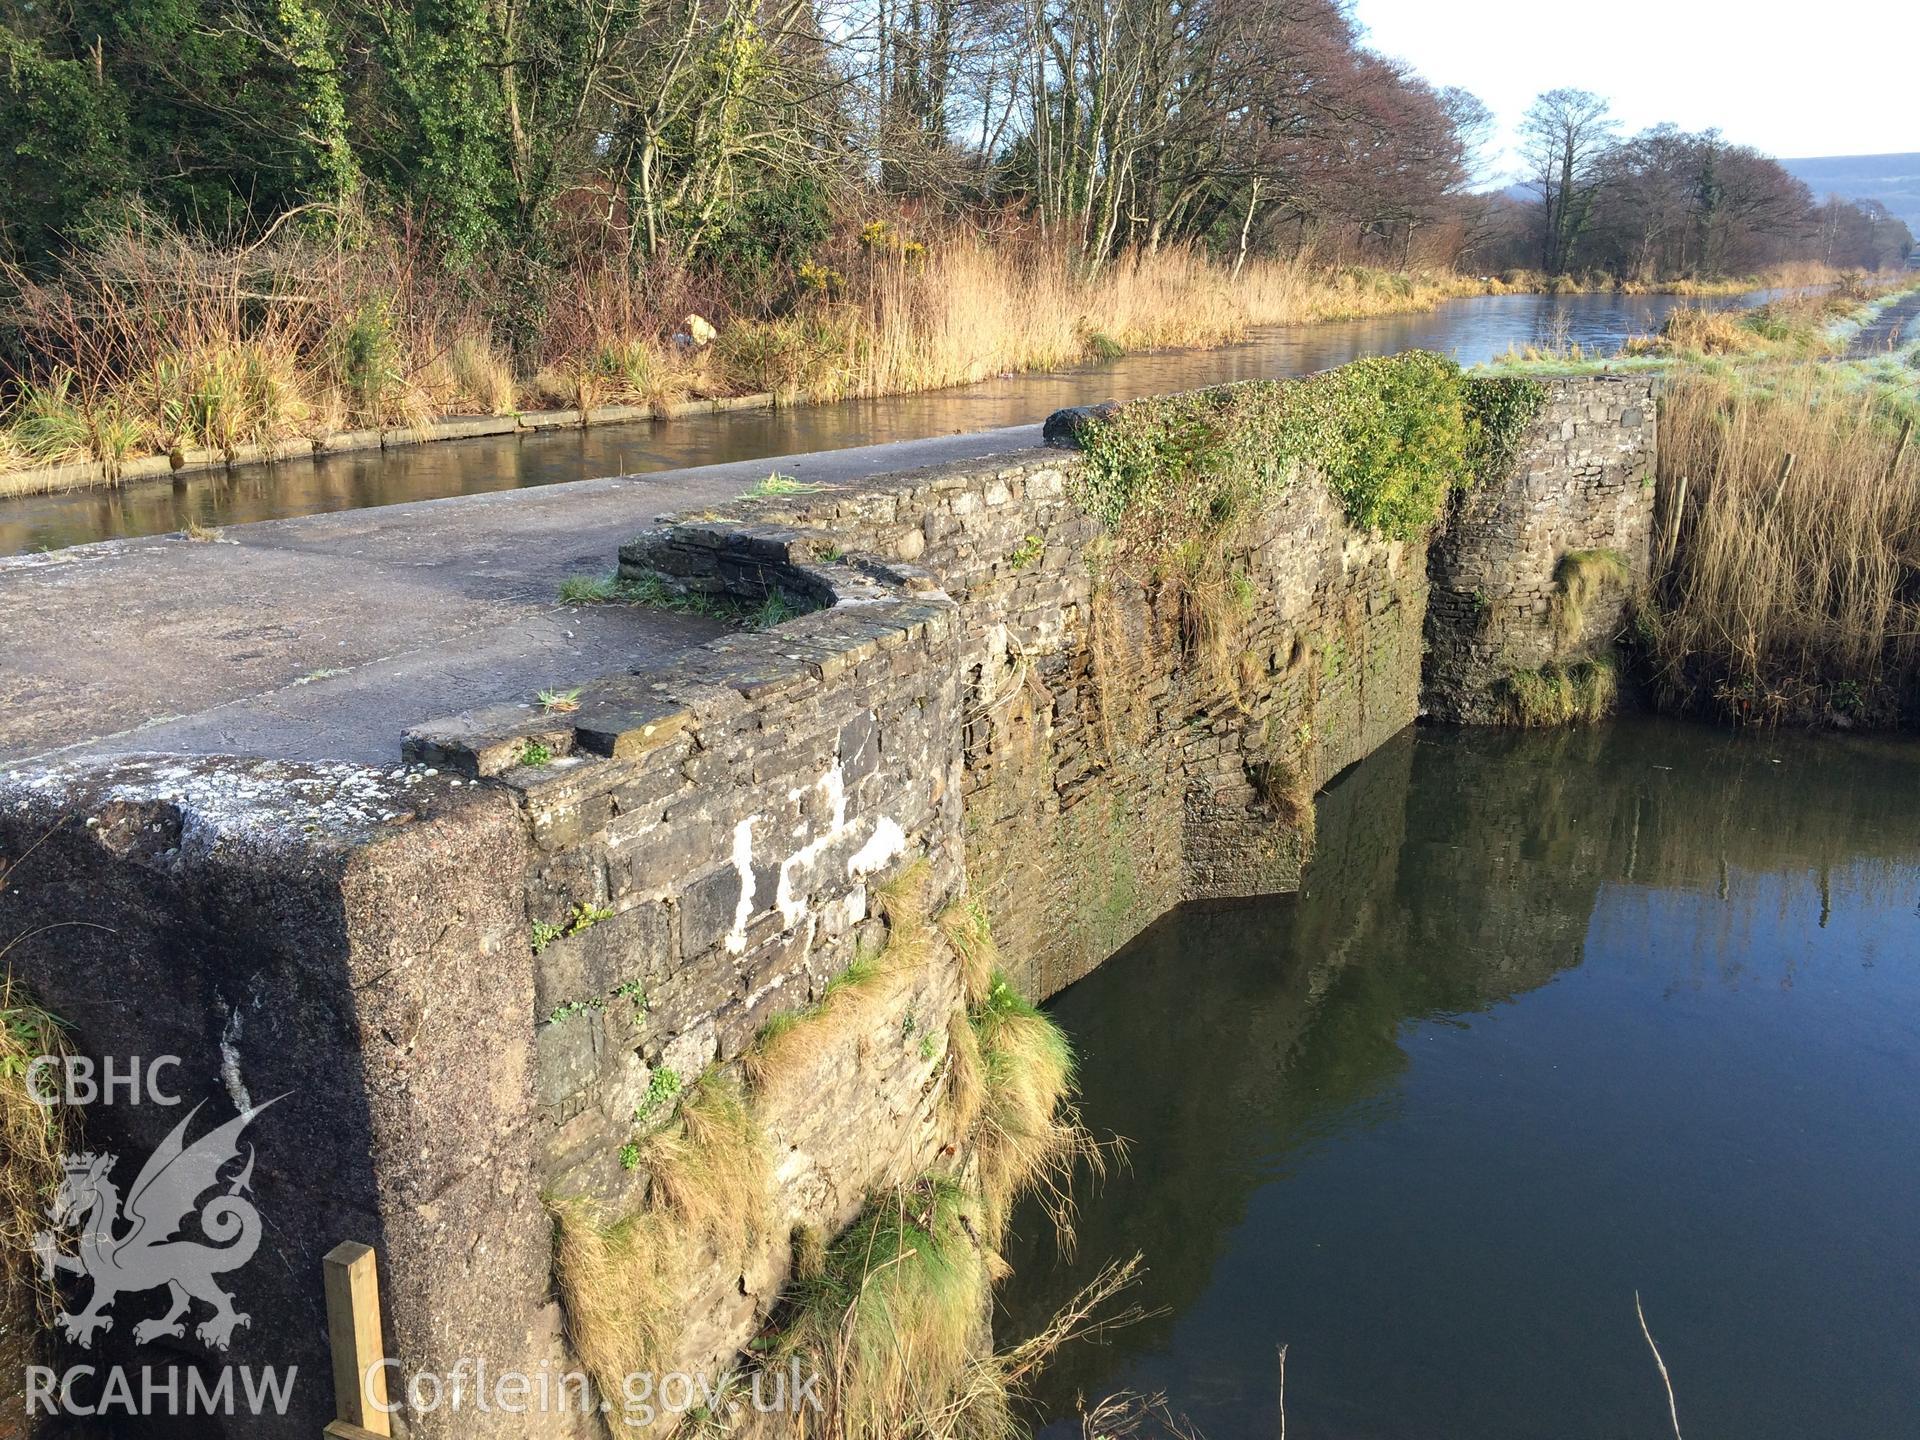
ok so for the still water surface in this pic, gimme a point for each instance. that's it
(1472, 330)
(1556, 1018)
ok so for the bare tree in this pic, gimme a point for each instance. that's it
(1564, 135)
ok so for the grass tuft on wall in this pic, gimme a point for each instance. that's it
(1582, 693)
(794, 1041)
(1028, 1136)
(36, 1138)
(1286, 788)
(622, 1281)
(1579, 577)
(896, 1315)
(967, 930)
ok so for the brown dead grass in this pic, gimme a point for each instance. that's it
(621, 1285)
(969, 933)
(1788, 535)
(36, 1138)
(623, 1281)
(1286, 788)
(794, 1042)
(709, 1166)
(1579, 578)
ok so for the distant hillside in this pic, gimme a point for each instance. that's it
(1893, 180)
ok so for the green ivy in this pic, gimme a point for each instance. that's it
(1390, 436)
(1500, 408)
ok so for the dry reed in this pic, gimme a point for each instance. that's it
(624, 1281)
(1789, 532)
(157, 340)
(36, 1138)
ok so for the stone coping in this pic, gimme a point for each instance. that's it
(860, 606)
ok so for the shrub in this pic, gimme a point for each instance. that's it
(367, 360)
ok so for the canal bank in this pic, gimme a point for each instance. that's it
(1470, 330)
(477, 973)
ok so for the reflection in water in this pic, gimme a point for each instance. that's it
(1557, 1018)
(1472, 330)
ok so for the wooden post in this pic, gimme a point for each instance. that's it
(353, 1330)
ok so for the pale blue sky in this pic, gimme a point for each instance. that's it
(1793, 79)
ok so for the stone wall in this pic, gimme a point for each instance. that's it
(1582, 480)
(474, 974)
(705, 843)
(1110, 773)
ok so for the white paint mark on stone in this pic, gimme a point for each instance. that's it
(791, 905)
(887, 841)
(743, 866)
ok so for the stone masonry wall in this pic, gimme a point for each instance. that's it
(472, 973)
(1582, 480)
(705, 842)
(326, 943)
(1106, 778)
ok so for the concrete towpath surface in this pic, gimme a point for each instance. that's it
(326, 637)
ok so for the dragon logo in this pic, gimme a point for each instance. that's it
(148, 1254)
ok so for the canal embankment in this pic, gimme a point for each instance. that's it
(783, 892)
(1471, 330)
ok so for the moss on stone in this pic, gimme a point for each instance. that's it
(1391, 436)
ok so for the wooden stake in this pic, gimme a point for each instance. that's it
(353, 1330)
(1673, 524)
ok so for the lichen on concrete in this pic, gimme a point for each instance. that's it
(231, 801)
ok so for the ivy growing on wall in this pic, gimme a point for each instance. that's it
(1390, 436)
(1499, 410)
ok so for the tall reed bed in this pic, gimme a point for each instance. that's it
(156, 341)
(1788, 548)
(954, 311)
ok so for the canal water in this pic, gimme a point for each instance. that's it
(1472, 330)
(1556, 1019)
